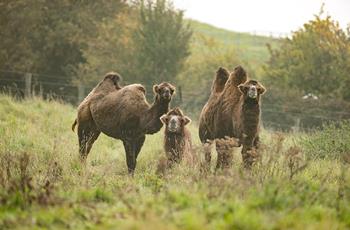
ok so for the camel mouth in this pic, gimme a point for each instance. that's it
(172, 130)
(253, 95)
(167, 97)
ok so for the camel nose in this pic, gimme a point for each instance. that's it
(167, 93)
(172, 124)
(253, 92)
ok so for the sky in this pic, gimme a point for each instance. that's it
(269, 17)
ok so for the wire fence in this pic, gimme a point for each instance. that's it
(275, 116)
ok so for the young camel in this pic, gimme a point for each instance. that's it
(177, 138)
(246, 119)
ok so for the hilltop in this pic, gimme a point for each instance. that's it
(252, 47)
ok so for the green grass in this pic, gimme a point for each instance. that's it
(252, 48)
(43, 184)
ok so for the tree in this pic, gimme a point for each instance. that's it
(161, 41)
(51, 37)
(314, 60)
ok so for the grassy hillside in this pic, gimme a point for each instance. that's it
(43, 184)
(252, 48)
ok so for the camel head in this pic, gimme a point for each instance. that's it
(175, 121)
(164, 91)
(252, 90)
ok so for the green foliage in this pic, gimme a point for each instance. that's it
(161, 41)
(285, 109)
(332, 142)
(314, 60)
(49, 36)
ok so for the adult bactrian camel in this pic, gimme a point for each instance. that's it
(216, 121)
(122, 113)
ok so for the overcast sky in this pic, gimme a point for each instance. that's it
(262, 16)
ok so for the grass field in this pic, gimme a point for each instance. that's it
(249, 47)
(43, 184)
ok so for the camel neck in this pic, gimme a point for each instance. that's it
(175, 135)
(159, 107)
(152, 119)
(250, 114)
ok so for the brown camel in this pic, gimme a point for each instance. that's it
(246, 119)
(177, 138)
(216, 121)
(121, 113)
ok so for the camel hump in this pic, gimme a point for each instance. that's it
(137, 88)
(221, 77)
(240, 74)
(222, 73)
(114, 77)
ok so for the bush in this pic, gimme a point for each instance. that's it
(285, 109)
(332, 142)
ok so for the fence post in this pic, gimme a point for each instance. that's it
(296, 127)
(81, 92)
(180, 94)
(28, 85)
(41, 93)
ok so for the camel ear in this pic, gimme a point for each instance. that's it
(187, 120)
(261, 89)
(172, 89)
(242, 88)
(155, 88)
(164, 119)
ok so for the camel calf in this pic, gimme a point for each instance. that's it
(177, 138)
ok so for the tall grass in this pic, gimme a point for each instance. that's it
(44, 185)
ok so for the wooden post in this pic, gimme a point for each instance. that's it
(41, 94)
(28, 85)
(296, 127)
(180, 95)
(81, 92)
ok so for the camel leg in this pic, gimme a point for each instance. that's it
(207, 152)
(83, 138)
(247, 152)
(132, 150)
(207, 156)
(248, 160)
(139, 143)
(93, 137)
(219, 160)
(256, 142)
(87, 135)
(224, 156)
(129, 147)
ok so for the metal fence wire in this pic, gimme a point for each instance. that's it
(291, 118)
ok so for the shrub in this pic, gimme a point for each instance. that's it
(332, 142)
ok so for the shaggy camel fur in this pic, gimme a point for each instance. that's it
(121, 113)
(246, 118)
(177, 138)
(215, 121)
